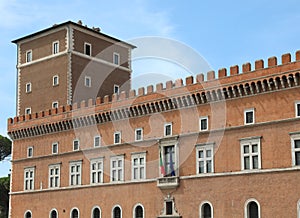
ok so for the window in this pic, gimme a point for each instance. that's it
(97, 171)
(249, 117)
(139, 211)
(28, 87)
(29, 178)
(28, 56)
(298, 209)
(203, 123)
(117, 212)
(55, 104)
(54, 176)
(75, 213)
(252, 209)
(138, 162)
(28, 110)
(87, 49)
(117, 137)
(116, 89)
(206, 210)
(30, 152)
(295, 139)
(250, 152)
(167, 160)
(55, 47)
(169, 209)
(138, 134)
(116, 57)
(28, 214)
(75, 173)
(53, 214)
(55, 80)
(55, 148)
(117, 168)
(97, 141)
(168, 129)
(76, 145)
(87, 81)
(205, 163)
(96, 212)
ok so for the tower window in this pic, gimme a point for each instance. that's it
(55, 47)
(55, 80)
(168, 129)
(28, 56)
(28, 87)
(55, 104)
(28, 110)
(116, 89)
(88, 81)
(87, 49)
(249, 117)
(116, 58)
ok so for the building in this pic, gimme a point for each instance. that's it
(228, 146)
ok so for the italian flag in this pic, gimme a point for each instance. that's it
(162, 168)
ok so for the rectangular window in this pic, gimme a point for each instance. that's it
(138, 162)
(55, 47)
(117, 137)
(28, 110)
(204, 157)
(55, 104)
(203, 123)
(55, 148)
(297, 108)
(116, 89)
(30, 152)
(169, 160)
(87, 49)
(28, 56)
(138, 134)
(249, 117)
(116, 58)
(168, 129)
(250, 152)
(295, 139)
(117, 168)
(29, 178)
(76, 145)
(88, 81)
(97, 171)
(97, 141)
(28, 87)
(54, 176)
(75, 173)
(55, 81)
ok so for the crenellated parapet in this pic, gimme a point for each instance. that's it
(193, 91)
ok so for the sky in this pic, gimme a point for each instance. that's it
(223, 33)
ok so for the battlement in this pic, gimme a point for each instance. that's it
(172, 94)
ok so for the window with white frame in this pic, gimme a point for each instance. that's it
(55, 148)
(30, 152)
(28, 87)
(29, 178)
(138, 211)
(168, 129)
(28, 56)
(117, 137)
(249, 116)
(206, 210)
(138, 163)
(138, 134)
(250, 153)
(97, 141)
(297, 108)
(28, 214)
(252, 209)
(205, 158)
(55, 47)
(97, 171)
(203, 123)
(28, 110)
(53, 213)
(168, 160)
(117, 168)
(87, 49)
(116, 89)
(55, 80)
(87, 81)
(76, 145)
(55, 104)
(54, 176)
(117, 212)
(75, 213)
(96, 212)
(75, 173)
(295, 141)
(116, 58)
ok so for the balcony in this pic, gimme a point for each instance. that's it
(168, 182)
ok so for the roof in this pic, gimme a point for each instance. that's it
(75, 24)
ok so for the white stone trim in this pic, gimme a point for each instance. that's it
(112, 211)
(207, 124)
(135, 206)
(135, 134)
(74, 208)
(246, 207)
(27, 212)
(211, 207)
(53, 209)
(293, 149)
(92, 211)
(296, 111)
(245, 117)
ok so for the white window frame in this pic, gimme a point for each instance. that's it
(29, 180)
(28, 152)
(87, 78)
(120, 137)
(53, 80)
(28, 87)
(118, 89)
(136, 134)
(200, 123)
(139, 167)
(92, 212)
(294, 136)
(298, 209)
(53, 145)
(115, 54)
(52, 177)
(201, 211)
(28, 110)
(250, 142)
(138, 205)
(74, 141)
(27, 211)
(99, 141)
(85, 51)
(112, 211)
(52, 210)
(246, 215)
(165, 129)
(73, 180)
(117, 170)
(55, 104)
(162, 145)
(205, 159)
(245, 116)
(71, 211)
(55, 47)
(296, 109)
(28, 56)
(97, 170)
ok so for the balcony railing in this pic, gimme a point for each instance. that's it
(168, 182)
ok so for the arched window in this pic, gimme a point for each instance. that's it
(206, 210)
(252, 209)
(298, 209)
(139, 211)
(75, 213)
(53, 214)
(117, 212)
(28, 214)
(96, 213)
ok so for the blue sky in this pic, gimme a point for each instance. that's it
(224, 33)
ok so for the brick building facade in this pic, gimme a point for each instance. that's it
(224, 147)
